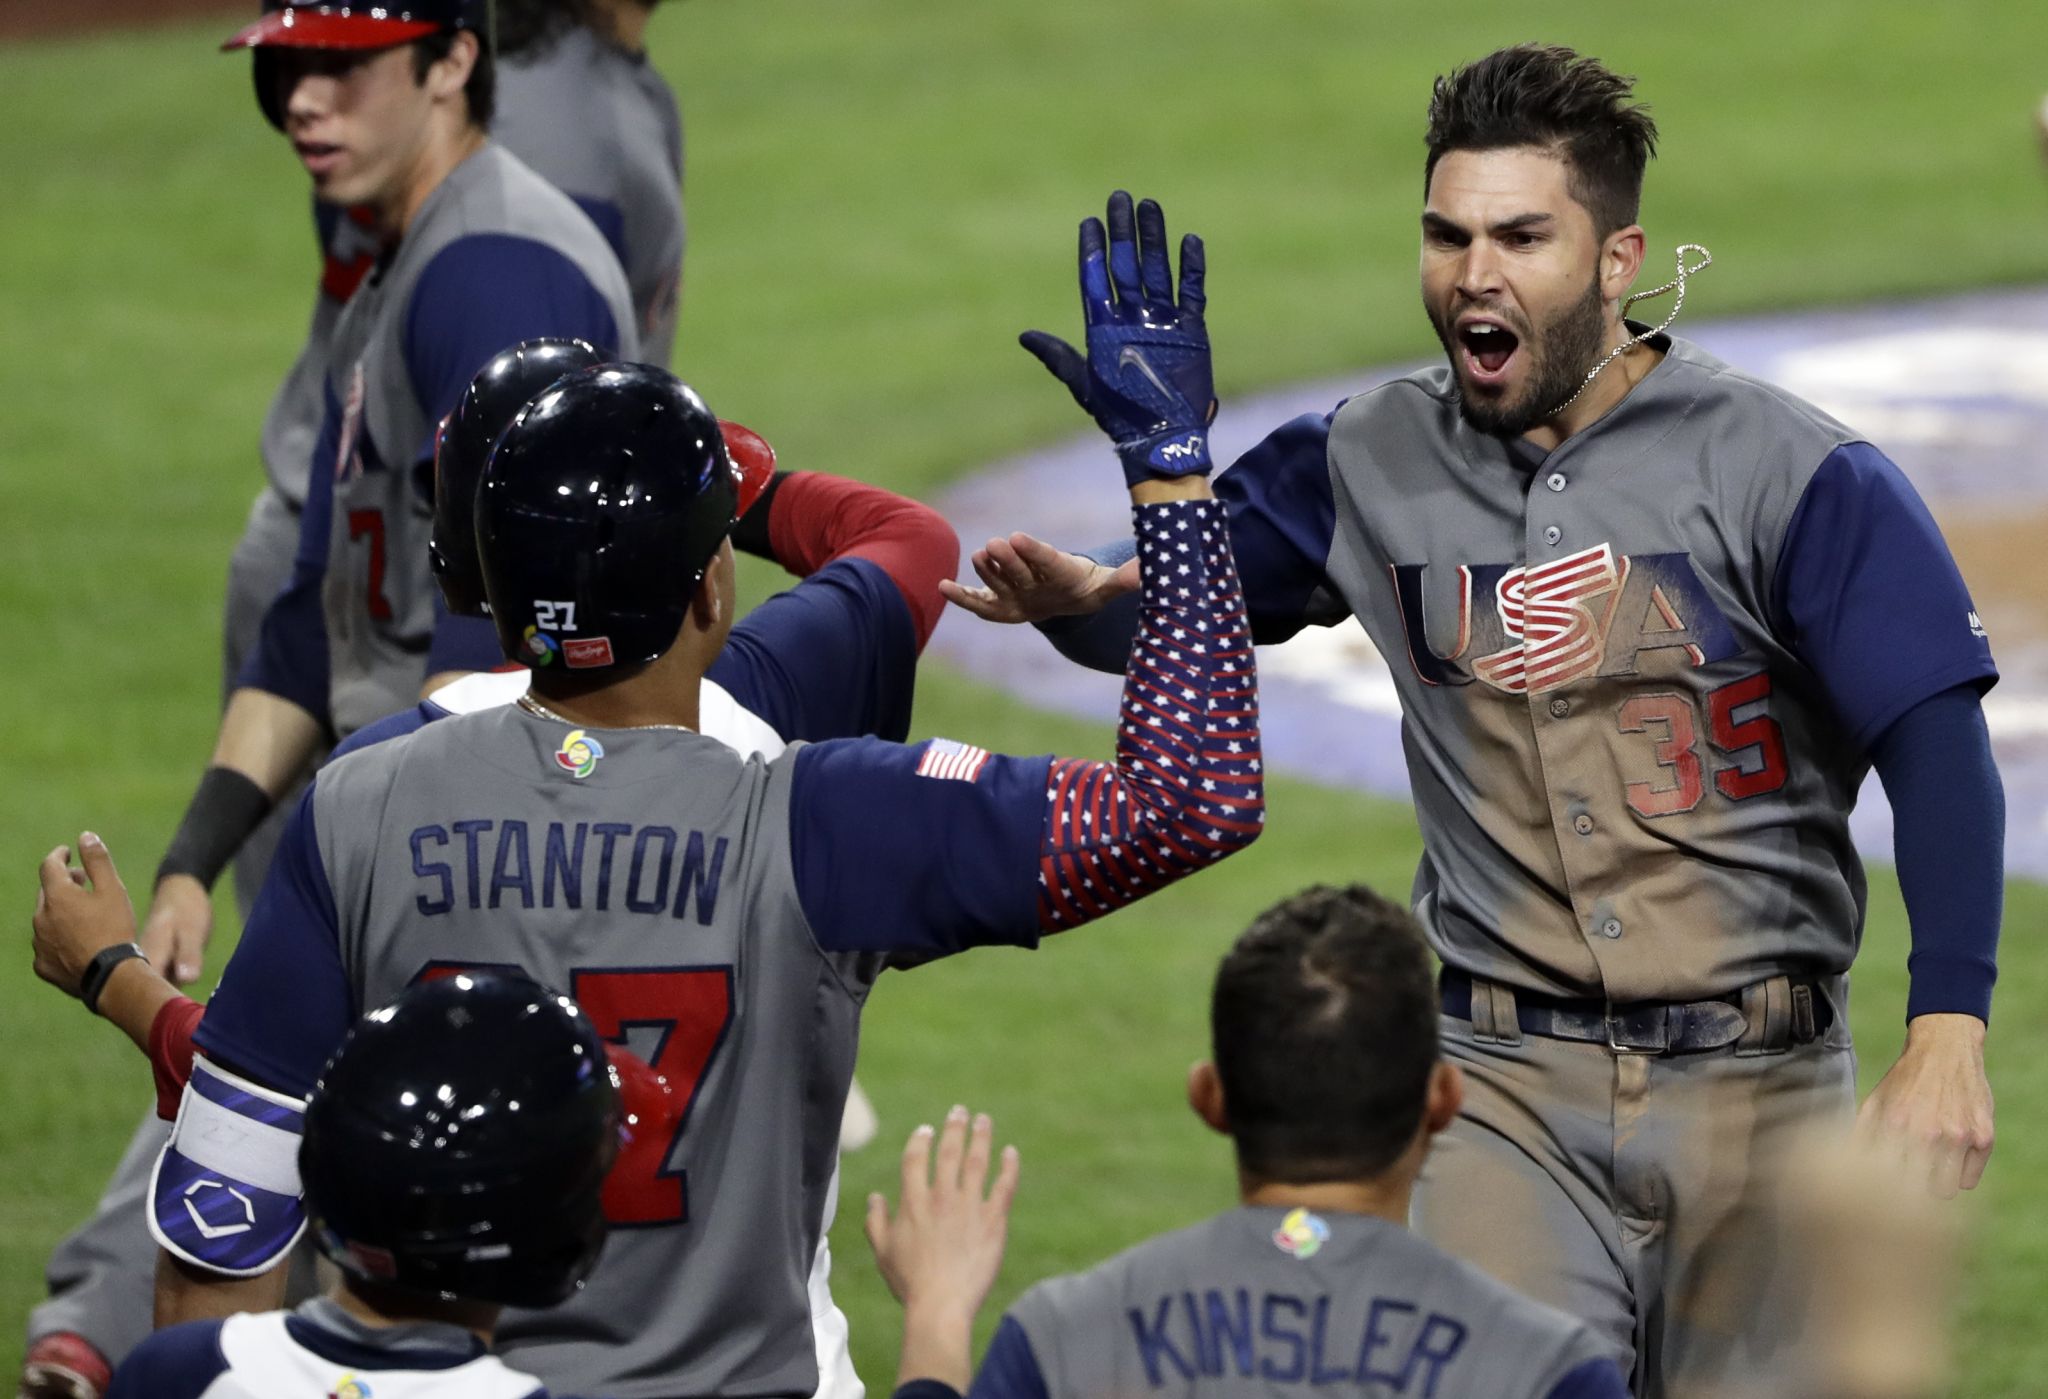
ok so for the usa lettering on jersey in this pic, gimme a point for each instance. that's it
(1590, 613)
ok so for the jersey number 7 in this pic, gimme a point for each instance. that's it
(683, 1014)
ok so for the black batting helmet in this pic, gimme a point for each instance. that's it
(285, 25)
(513, 379)
(457, 1143)
(602, 506)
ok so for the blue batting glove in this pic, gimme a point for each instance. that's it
(1146, 378)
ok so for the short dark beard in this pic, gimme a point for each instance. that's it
(1564, 351)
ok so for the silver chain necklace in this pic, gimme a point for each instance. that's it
(540, 711)
(1675, 284)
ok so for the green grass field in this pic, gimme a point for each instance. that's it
(882, 193)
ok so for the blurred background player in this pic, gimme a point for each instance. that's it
(578, 102)
(1329, 1081)
(793, 882)
(453, 1159)
(1660, 620)
(833, 657)
(473, 252)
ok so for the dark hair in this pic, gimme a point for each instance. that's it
(481, 91)
(525, 25)
(1548, 95)
(1324, 1028)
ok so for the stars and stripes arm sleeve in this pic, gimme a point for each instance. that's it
(1187, 788)
(934, 847)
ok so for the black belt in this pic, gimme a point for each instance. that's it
(1766, 1018)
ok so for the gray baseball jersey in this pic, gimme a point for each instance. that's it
(601, 125)
(722, 917)
(494, 256)
(1639, 677)
(1270, 1301)
(657, 890)
(592, 120)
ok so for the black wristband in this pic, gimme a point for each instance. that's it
(750, 531)
(100, 969)
(225, 809)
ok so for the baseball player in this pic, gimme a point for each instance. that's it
(388, 111)
(577, 100)
(1651, 622)
(670, 883)
(478, 253)
(1328, 1080)
(453, 1154)
(833, 657)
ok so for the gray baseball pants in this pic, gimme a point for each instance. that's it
(1630, 1190)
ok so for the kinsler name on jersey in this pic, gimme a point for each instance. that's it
(1589, 613)
(500, 864)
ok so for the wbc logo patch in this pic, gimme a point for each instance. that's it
(578, 754)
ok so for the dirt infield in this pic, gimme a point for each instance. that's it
(33, 19)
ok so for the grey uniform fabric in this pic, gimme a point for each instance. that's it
(761, 1136)
(1557, 857)
(1634, 1191)
(592, 120)
(601, 125)
(1590, 831)
(1237, 1306)
(377, 663)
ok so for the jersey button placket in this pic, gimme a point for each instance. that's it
(1555, 480)
(1552, 534)
(1583, 824)
(1611, 928)
(1560, 707)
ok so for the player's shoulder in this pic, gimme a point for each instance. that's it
(1777, 416)
(178, 1362)
(495, 201)
(1395, 412)
(1080, 1300)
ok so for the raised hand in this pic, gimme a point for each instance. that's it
(1029, 580)
(1146, 377)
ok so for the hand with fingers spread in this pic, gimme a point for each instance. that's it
(1934, 1105)
(80, 913)
(1031, 581)
(1145, 378)
(941, 1252)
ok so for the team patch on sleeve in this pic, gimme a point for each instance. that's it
(225, 1193)
(952, 762)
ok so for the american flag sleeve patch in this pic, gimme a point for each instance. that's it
(951, 762)
(1187, 788)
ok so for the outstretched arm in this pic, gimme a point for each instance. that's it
(937, 847)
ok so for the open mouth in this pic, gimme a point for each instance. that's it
(317, 156)
(1488, 347)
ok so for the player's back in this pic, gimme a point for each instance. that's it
(647, 874)
(1270, 1301)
